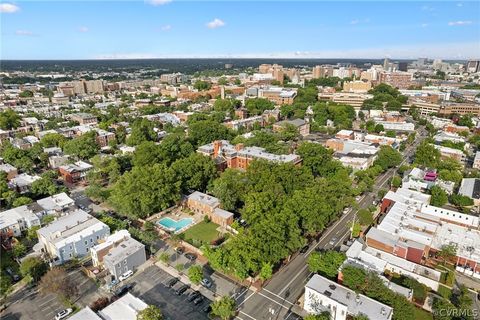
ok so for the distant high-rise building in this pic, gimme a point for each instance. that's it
(386, 63)
(473, 66)
(402, 66)
(228, 65)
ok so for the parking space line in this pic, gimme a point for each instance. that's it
(245, 314)
(45, 303)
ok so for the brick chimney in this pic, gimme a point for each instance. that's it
(217, 144)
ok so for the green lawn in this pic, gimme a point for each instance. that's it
(201, 233)
(421, 314)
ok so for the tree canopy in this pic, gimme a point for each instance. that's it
(9, 119)
(326, 263)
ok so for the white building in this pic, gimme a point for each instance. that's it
(19, 219)
(125, 308)
(57, 203)
(71, 236)
(322, 295)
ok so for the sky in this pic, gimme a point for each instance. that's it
(246, 29)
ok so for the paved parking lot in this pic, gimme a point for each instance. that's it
(150, 287)
(32, 305)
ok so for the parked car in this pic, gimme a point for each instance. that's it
(181, 290)
(63, 314)
(15, 277)
(198, 300)
(190, 256)
(193, 295)
(123, 290)
(179, 250)
(126, 275)
(333, 241)
(206, 283)
(304, 249)
(207, 308)
(172, 282)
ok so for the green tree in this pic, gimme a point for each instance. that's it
(145, 190)
(142, 130)
(365, 217)
(195, 172)
(21, 201)
(257, 106)
(427, 155)
(442, 309)
(439, 196)
(447, 252)
(206, 131)
(266, 271)
(396, 181)
(202, 85)
(388, 158)
(229, 189)
(224, 308)
(9, 119)
(322, 316)
(44, 187)
(34, 267)
(19, 250)
(83, 147)
(461, 200)
(326, 263)
(195, 274)
(151, 312)
(53, 140)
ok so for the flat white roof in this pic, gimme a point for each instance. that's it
(125, 308)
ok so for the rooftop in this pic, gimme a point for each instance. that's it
(210, 201)
(125, 308)
(123, 250)
(356, 303)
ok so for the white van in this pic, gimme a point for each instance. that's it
(126, 275)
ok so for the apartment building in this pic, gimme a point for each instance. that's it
(341, 302)
(75, 172)
(239, 156)
(22, 182)
(84, 118)
(349, 98)
(302, 126)
(400, 80)
(446, 152)
(128, 255)
(104, 137)
(415, 231)
(278, 95)
(358, 86)
(14, 221)
(71, 236)
(57, 204)
(210, 206)
(245, 123)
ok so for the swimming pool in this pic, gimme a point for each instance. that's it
(174, 225)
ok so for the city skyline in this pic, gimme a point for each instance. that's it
(229, 29)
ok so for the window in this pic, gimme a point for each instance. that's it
(125, 261)
(91, 240)
(70, 255)
(98, 237)
(86, 242)
(88, 249)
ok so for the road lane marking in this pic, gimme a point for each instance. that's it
(281, 305)
(251, 295)
(276, 295)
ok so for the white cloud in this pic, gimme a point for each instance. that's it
(24, 33)
(447, 50)
(424, 25)
(8, 8)
(215, 23)
(459, 23)
(460, 4)
(83, 29)
(166, 27)
(158, 2)
(428, 8)
(354, 21)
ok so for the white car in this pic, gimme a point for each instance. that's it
(126, 275)
(63, 314)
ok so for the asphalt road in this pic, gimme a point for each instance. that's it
(277, 300)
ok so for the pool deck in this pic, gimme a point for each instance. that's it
(177, 214)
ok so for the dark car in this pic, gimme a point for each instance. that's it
(172, 282)
(304, 249)
(207, 308)
(179, 250)
(15, 277)
(190, 256)
(198, 300)
(123, 290)
(181, 290)
(193, 295)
